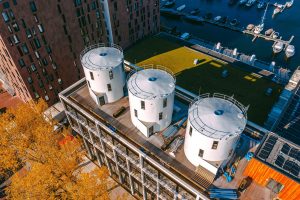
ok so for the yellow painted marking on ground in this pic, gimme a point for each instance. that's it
(178, 59)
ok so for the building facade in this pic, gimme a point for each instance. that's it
(40, 41)
(138, 171)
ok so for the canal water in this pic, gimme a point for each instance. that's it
(286, 23)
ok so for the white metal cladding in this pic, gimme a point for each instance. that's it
(154, 81)
(104, 71)
(214, 127)
(151, 97)
(101, 56)
(217, 116)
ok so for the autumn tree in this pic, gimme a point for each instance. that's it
(28, 142)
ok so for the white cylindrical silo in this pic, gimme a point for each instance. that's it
(104, 71)
(151, 97)
(215, 123)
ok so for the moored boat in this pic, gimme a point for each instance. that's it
(277, 47)
(258, 29)
(290, 51)
(169, 3)
(276, 11)
(250, 27)
(242, 2)
(250, 3)
(275, 35)
(217, 18)
(289, 3)
(261, 5)
(181, 8)
(223, 20)
(269, 32)
(234, 22)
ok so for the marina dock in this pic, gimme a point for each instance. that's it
(243, 30)
(270, 38)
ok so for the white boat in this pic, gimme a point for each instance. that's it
(269, 32)
(276, 11)
(169, 3)
(181, 8)
(275, 35)
(278, 5)
(289, 3)
(217, 18)
(250, 27)
(258, 28)
(250, 3)
(290, 51)
(261, 4)
(277, 47)
(241, 2)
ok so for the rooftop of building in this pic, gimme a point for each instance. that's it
(159, 146)
(208, 75)
(217, 116)
(280, 154)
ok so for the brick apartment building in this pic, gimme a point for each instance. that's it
(40, 40)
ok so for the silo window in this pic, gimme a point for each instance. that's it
(88, 84)
(111, 75)
(215, 145)
(201, 152)
(135, 113)
(92, 75)
(165, 102)
(108, 87)
(191, 131)
(160, 116)
(143, 105)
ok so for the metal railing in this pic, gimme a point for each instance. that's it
(147, 67)
(203, 126)
(100, 45)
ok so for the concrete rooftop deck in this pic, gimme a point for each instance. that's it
(153, 145)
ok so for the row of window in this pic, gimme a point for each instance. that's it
(165, 104)
(9, 15)
(160, 115)
(215, 143)
(111, 75)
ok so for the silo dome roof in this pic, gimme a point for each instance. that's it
(102, 58)
(217, 117)
(151, 83)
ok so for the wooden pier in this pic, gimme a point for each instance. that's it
(270, 38)
(227, 25)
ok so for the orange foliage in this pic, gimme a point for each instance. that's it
(27, 139)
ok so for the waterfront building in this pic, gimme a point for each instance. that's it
(158, 165)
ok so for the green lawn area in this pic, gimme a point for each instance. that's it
(248, 88)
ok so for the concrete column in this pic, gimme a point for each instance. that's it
(143, 177)
(157, 188)
(104, 151)
(87, 148)
(129, 176)
(65, 108)
(117, 166)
